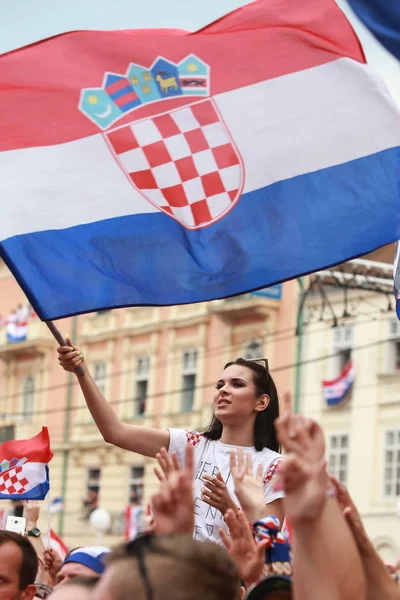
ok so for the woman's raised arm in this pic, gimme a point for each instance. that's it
(142, 440)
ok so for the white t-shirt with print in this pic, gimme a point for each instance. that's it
(209, 458)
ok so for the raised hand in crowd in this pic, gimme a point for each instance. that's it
(43, 576)
(173, 504)
(302, 474)
(53, 563)
(69, 356)
(248, 486)
(380, 584)
(327, 562)
(168, 464)
(31, 514)
(246, 553)
(216, 494)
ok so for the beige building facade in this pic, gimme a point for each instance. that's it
(362, 431)
(156, 365)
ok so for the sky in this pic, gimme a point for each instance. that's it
(26, 21)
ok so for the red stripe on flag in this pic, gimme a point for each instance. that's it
(125, 99)
(347, 368)
(36, 449)
(58, 544)
(117, 86)
(41, 84)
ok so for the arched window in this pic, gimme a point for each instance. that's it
(253, 349)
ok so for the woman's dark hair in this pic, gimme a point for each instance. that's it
(264, 430)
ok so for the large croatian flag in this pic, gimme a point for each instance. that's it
(160, 167)
(336, 389)
(24, 471)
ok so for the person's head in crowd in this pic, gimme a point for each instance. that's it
(134, 498)
(246, 392)
(80, 588)
(18, 567)
(154, 566)
(274, 587)
(87, 561)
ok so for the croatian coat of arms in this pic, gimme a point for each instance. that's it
(183, 160)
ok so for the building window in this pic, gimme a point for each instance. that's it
(141, 385)
(90, 503)
(343, 344)
(28, 397)
(189, 370)
(394, 346)
(392, 464)
(99, 375)
(338, 456)
(253, 349)
(136, 485)
(7, 433)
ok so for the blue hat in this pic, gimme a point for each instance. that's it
(89, 556)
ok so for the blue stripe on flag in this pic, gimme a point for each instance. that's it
(275, 233)
(382, 17)
(16, 338)
(337, 399)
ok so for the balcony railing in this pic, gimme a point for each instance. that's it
(38, 339)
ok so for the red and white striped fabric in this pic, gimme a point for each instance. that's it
(336, 389)
(58, 544)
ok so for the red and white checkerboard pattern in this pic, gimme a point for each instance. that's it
(183, 161)
(193, 438)
(13, 481)
(271, 472)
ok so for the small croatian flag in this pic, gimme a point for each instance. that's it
(24, 471)
(56, 505)
(16, 330)
(336, 389)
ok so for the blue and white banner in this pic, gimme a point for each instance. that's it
(336, 389)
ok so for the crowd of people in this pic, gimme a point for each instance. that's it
(331, 556)
(216, 530)
(16, 322)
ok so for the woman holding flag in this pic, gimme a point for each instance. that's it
(245, 406)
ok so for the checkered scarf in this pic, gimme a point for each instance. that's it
(277, 552)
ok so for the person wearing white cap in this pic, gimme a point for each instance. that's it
(87, 561)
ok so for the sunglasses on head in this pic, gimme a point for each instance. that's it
(42, 591)
(263, 362)
(137, 548)
(146, 542)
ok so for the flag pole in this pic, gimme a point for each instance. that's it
(80, 371)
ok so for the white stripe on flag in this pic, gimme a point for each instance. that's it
(296, 124)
